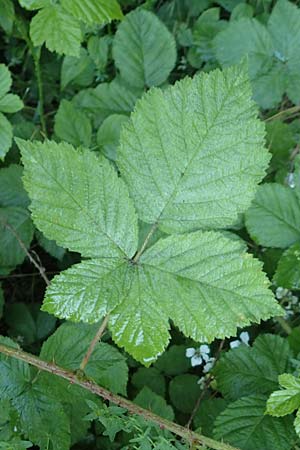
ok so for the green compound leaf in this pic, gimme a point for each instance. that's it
(245, 370)
(273, 220)
(78, 200)
(244, 425)
(203, 281)
(274, 55)
(93, 11)
(60, 32)
(286, 400)
(193, 154)
(106, 365)
(144, 50)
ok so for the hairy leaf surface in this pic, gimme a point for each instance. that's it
(193, 154)
(78, 200)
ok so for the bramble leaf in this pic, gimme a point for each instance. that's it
(243, 424)
(273, 220)
(57, 29)
(93, 11)
(144, 50)
(78, 200)
(286, 400)
(205, 282)
(193, 154)
(274, 56)
(245, 370)
(106, 366)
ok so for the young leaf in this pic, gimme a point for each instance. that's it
(57, 29)
(144, 50)
(286, 400)
(93, 11)
(273, 220)
(193, 154)
(244, 425)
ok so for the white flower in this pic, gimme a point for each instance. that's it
(209, 365)
(244, 338)
(201, 382)
(281, 292)
(199, 355)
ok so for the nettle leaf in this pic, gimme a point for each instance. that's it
(273, 220)
(144, 50)
(72, 125)
(93, 11)
(38, 412)
(245, 370)
(274, 56)
(244, 424)
(106, 365)
(204, 282)
(193, 154)
(60, 32)
(287, 274)
(287, 399)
